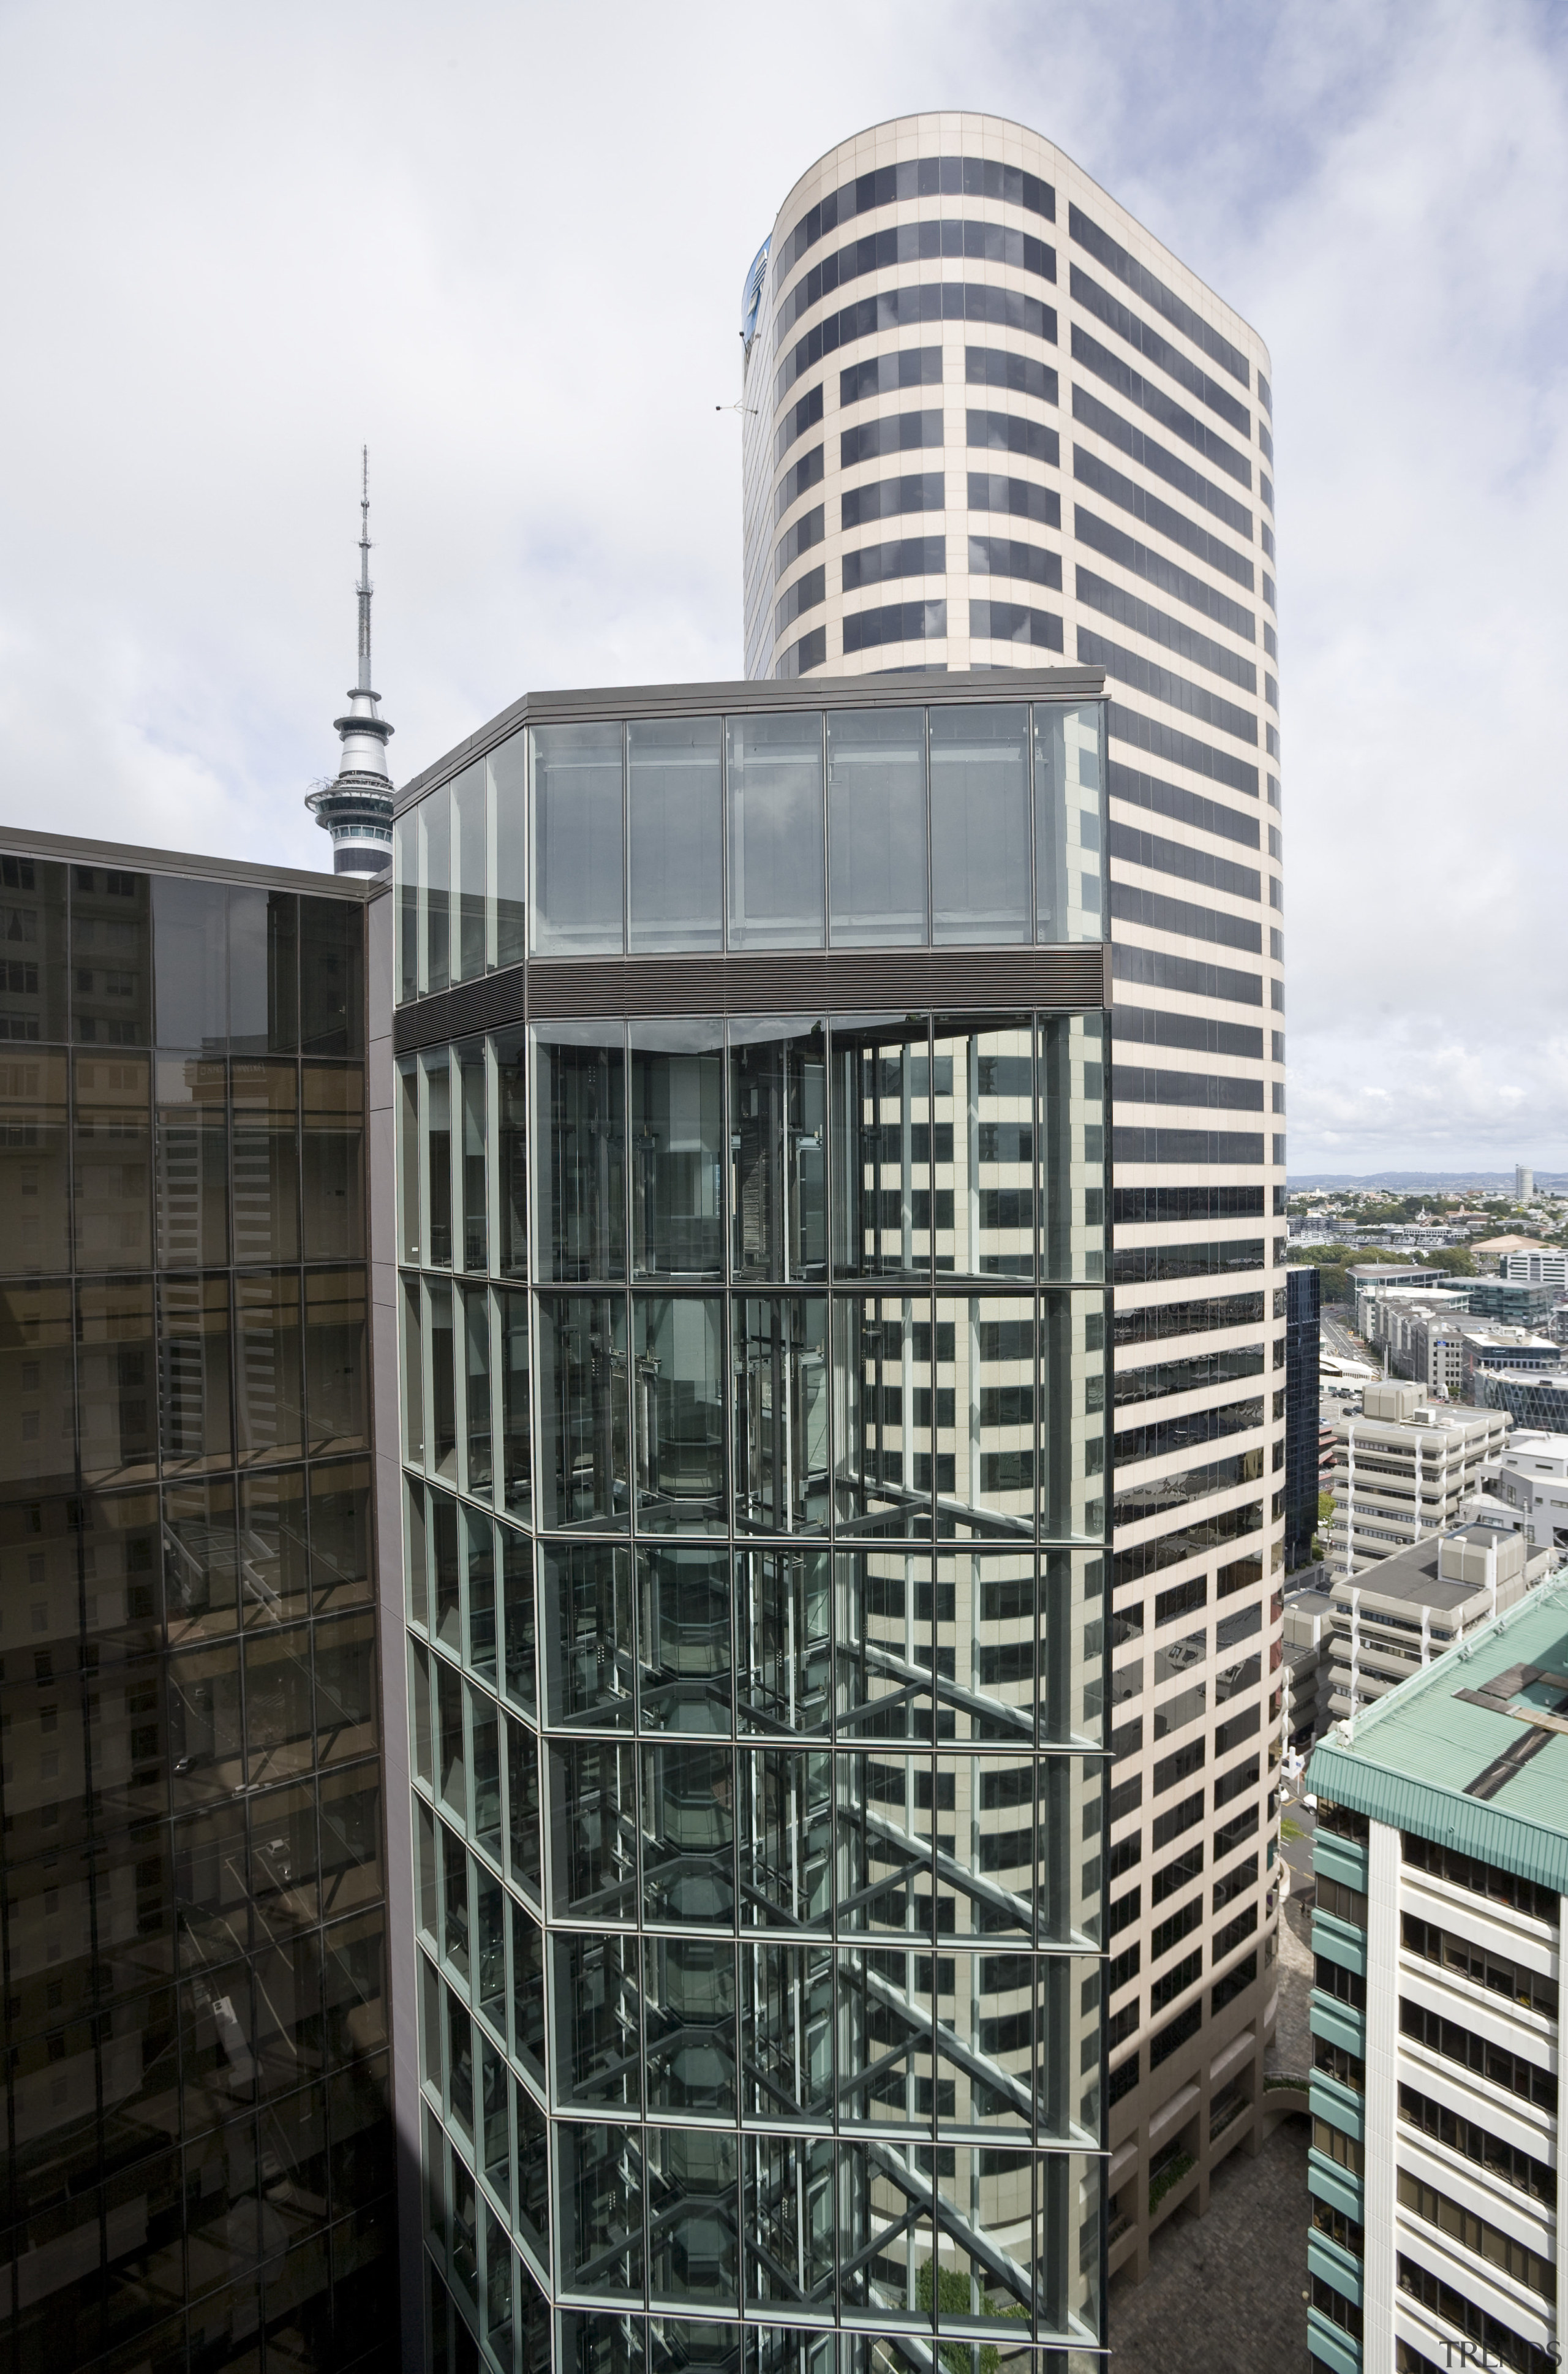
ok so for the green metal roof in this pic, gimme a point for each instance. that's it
(1415, 1758)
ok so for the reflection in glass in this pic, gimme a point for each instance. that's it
(985, 1105)
(776, 832)
(889, 1148)
(34, 966)
(191, 961)
(193, 1163)
(269, 1403)
(331, 1158)
(683, 1639)
(435, 887)
(468, 886)
(588, 1610)
(470, 1090)
(114, 1166)
(598, 2049)
(1068, 835)
(111, 957)
(876, 827)
(676, 833)
(581, 1136)
(116, 1380)
(677, 1084)
(273, 1577)
(592, 1811)
(980, 762)
(778, 1131)
(1072, 1166)
(38, 1387)
(783, 1608)
(437, 1160)
(505, 771)
(511, 1152)
(442, 1451)
(780, 1359)
(266, 1161)
(517, 1463)
(337, 1357)
(678, 1409)
(577, 887)
(405, 872)
(583, 1479)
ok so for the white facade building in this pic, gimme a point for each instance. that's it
(990, 419)
(1537, 1268)
(1402, 1469)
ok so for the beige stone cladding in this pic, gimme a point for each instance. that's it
(1127, 420)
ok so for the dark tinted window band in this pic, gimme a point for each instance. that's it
(1184, 807)
(1141, 449)
(1157, 1321)
(1181, 749)
(898, 432)
(1265, 447)
(804, 595)
(993, 367)
(1166, 303)
(1168, 1434)
(1160, 406)
(999, 432)
(796, 421)
(899, 309)
(1002, 556)
(1201, 865)
(890, 496)
(806, 472)
(809, 653)
(1162, 1493)
(1090, 471)
(1145, 1206)
(1189, 976)
(899, 622)
(908, 556)
(1168, 575)
(1157, 626)
(1266, 395)
(1159, 684)
(1166, 1377)
(919, 177)
(1010, 622)
(1160, 1264)
(1184, 1146)
(885, 374)
(1159, 351)
(917, 242)
(1017, 497)
(1152, 1027)
(1217, 1092)
(1158, 913)
(807, 531)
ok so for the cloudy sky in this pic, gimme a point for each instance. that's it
(505, 243)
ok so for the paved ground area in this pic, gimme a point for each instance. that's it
(1223, 2293)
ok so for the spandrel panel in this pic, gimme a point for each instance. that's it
(684, 1649)
(785, 1838)
(678, 1413)
(984, 1431)
(888, 1151)
(580, 1142)
(192, 1125)
(505, 771)
(467, 910)
(677, 1150)
(1073, 1438)
(116, 1380)
(588, 1610)
(577, 884)
(34, 1160)
(331, 1155)
(688, 1833)
(1072, 1149)
(113, 1162)
(510, 1049)
(979, 773)
(783, 1634)
(779, 1355)
(33, 965)
(38, 1388)
(776, 832)
(583, 1472)
(1068, 824)
(110, 957)
(876, 828)
(266, 1161)
(676, 833)
(194, 1414)
(984, 1110)
(777, 1148)
(787, 2020)
(592, 1834)
(689, 2026)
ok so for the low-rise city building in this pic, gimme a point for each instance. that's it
(1537, 1268)
(1526, 1488)
(1403, 1468)
(1307, 1617)
(1399, 1615)
(1439, 2087)
(1302, 1319)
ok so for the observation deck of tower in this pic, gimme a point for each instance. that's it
(355, 806)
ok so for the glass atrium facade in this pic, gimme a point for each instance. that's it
(198, 2162)
(754, 1311)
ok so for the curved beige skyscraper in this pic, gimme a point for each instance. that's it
(993, 423)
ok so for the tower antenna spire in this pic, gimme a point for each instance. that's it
(355, 805)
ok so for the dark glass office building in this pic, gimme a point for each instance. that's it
(198, 2163)
(752, 1262)
(1302, 1290)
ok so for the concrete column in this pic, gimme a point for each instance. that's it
(1380, 2100)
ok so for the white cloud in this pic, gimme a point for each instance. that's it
(505, 244)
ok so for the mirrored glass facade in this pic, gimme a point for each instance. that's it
(754, 1396)
(198, 2169)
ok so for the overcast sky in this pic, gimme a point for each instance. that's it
(504, 245)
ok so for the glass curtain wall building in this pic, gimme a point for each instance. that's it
(989, 420)
(1302, 1479)
(197, 2165)
(751, 1127)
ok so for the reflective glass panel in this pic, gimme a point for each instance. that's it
(676, 830)
(468, 885)
(507, 779)
(577, 885)
(579, 1086)
(1068, 828)
(34, 1166)
(876, 827)
(435, 886)
(583, 1468)
(979, 768)
(677, 1154)
(777, 1143)
(678, 1413)
(776, 890)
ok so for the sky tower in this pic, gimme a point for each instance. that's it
(355, 806)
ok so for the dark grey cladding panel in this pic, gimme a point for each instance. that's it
(833, 981)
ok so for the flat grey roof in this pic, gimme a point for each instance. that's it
(1411, 1576)
(749, 694)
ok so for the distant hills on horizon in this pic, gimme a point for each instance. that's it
(1424, 1183)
